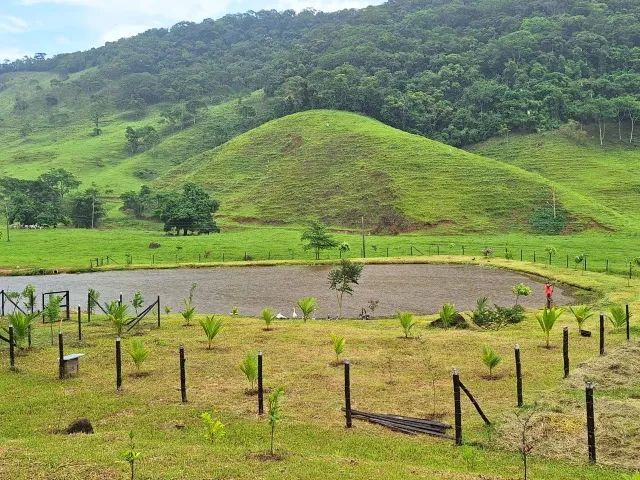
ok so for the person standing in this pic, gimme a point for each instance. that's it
(548, 292)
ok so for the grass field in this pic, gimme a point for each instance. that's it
(389, 374)
(69, 249)
(610, 174)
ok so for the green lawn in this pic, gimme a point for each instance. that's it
(389, 374)
(65, 249)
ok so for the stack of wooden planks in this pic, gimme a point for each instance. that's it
(408, 425)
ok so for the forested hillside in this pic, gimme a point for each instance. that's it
(458, 71)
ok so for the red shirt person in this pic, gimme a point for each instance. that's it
(548, 292)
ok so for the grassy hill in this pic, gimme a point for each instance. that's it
(609, 174)
(340, 166)
(44, 137)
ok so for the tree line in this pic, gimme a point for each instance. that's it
(51, 199)
(188, 211)
(458, 71)
(54, 199)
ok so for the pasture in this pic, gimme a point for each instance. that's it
(389, 373)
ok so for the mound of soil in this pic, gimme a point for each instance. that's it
(81, 425)
(458, 322)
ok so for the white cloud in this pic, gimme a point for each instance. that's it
(11, 53)
(115, 19)
(123, 31)
(324, 5)
(11, 24)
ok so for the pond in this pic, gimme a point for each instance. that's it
(416, 288)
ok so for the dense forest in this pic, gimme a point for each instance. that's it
(458, 71)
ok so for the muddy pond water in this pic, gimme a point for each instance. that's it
(416, 288)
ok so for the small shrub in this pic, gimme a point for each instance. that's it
(167, 309)
(521, 290)
(448, 314)
(189, 309)
(547, 320)
(338, 344)
(234, 311)
(449, 317)
(214, 428)
(274, 412)
(582, 313)
(307, 305)
(137, 301)
(513, 314)
(131, 455)
(138, 352)
(52, 310)
(94, 298)
(211, 326)
(618, 317)
(487, 252)
(491, 359)
(268, 316)
(21, 323)
(154, 245)
(29, 295)
(407, 322)
(117, 315)
(249, 367)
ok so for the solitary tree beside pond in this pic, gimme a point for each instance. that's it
(317, 238)
(343, 278)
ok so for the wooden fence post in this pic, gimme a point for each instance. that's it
(260, 386)
(628, 323)
(79, 323)
(61, 356)
(347, 393)
(120, 299)
(12, 350)
(29, 337)
(565, 350)
(118, 364)
(183, 376)
(518, 376)
(591, 426)
(601, 333)
(457, 407)
(88, 306)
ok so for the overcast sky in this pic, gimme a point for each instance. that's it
(56, 26)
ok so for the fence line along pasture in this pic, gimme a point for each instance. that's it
(613, 261)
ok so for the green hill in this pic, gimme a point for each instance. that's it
(573, 158)
(341, 166)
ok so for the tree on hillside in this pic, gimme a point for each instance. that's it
(188, 211)
(97, 112)
(60, 180)
(139, 202)
(141, 139)
(317, 238)
(87, 208)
